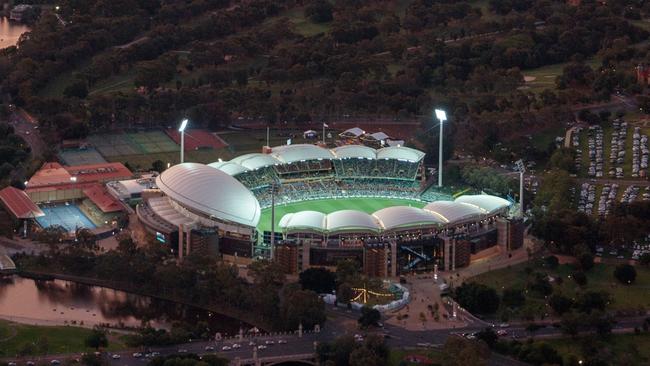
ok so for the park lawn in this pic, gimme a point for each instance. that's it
(543, 138)
(365, 204)
(119, 82)
(304, 26)
(60, 339)
(545, 75)
(636, 345)
(599, 278)
(397, 355)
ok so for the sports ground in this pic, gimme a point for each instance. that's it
(68, 216)
(366, 204)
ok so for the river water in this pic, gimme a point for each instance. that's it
(59, 302)
(10, 32)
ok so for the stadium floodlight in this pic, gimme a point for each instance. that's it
(181, 129)
(441, 115)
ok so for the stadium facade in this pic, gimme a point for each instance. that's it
(217, 207)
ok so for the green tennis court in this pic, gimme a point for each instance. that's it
(368, 205)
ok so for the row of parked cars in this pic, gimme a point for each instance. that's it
(595, 143)
(639, 154)
(617, 151)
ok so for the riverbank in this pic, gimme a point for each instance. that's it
(36, 340)
(226, 310)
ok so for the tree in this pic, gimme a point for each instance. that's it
(477, 298)
(301, 307)
(625, 274)
(344, 294)
(319, 11)
(580, 278)
(560, 303)
(158, 166)
(592, 300)
(77, 89)
(513, 297)
(489, 336)
(96, 339)
(319, 280)
(459, 351)
(551, 262)
(127, 246)
(586, 261)
(369, 317)
(644, 259)
(347, 271)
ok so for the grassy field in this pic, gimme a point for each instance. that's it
(545, 75)
(599, 278)
(144, 161)
(303, 25)
(53, 340)
(636, 346)
(368, 205)
(397, 355)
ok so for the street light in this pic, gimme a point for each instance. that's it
(182, 131)
(441, 115)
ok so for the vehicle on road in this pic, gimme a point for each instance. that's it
(226, 348)
(115, 356)
(155, 354)
(261, 346)
(209, 348)
(269, 342)
(137, 354)
(282, 341)
(55, 362)
(236, 346)
(251, 343)
(182, 350)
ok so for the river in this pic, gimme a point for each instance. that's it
(57, 302)
(10, 32)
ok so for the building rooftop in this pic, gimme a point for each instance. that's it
(19, 204)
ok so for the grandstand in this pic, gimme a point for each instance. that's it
(351, 201)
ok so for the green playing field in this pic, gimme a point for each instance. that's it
(368, 205)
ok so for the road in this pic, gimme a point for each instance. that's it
(395, 337)
(26, 127)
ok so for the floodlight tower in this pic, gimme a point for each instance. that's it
(521, 168)
(441, 115)
(181, 129)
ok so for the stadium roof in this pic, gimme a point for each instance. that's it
(351, 220)
(304, 221)
(292, 153)
(255, 160)
(211, 192)
(454, 212)
(19, 204)
(485, 202)
(353, 132)
(228, 167)
(354, 151)
(400, 153)
(435, 214)
(403, 217)
(378, 136)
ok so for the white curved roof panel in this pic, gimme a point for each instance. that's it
(351, 221)
(255, 161)
(292, 153)
(400, 153)
(354, 151)
(487, 203)
(304, 220)
(354, 131)
(403, 217)
(211, 192)
(228, 167)
(454, 212)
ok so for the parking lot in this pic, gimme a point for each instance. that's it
(599, 199)
(615, 151)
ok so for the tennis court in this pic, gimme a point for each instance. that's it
(81, 157)
(68, 216)
(197, 139)
(368, 205)
(150, 142)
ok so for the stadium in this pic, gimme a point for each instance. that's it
(322, 205)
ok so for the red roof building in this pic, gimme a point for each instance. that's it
(100, 197)
(18, 204)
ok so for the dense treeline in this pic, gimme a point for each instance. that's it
(199, 280)
(212, 60)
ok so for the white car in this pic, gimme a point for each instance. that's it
(261, 346)
(55, 362)
(236, 346)
(209, 348)
(282, 341)
(251, 343)
(137, 355)
(115, 356)
(269, 343)
(226, 348)
(182, 350)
